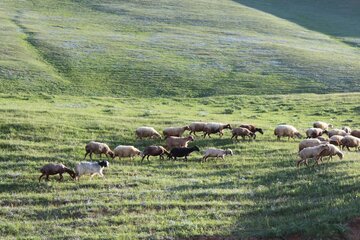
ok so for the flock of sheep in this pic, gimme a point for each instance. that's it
(314, 147)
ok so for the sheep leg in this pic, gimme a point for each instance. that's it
(91, 155)
(47, 177)
(92, 175)
(142, 159)
(185, 158)
(41, 176)
(348, 148)
(61, 177)
(222, 157)
(148, 158)
(232, 136)
(86, 155)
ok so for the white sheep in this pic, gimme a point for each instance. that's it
(126, 151)
(175, 131)
(213, 152)
(332, 151)
(98, 148)
(286, 131)
(310, 143)
(147, 132)
(315, 132)
(346, 129)
(311, 152)
(350, 141)
(172, 142)
(91, 168)
(197, 127)
(336, 132)
(215, 128)
(322, 125)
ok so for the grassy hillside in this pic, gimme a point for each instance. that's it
(177, 48)
(257, 192)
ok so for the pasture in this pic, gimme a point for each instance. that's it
(258, 192)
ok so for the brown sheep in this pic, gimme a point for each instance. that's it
(242, 132)
(355, 133)
(350, 141)
(336, 132)
(315, 132)
(154, 151)
(98, 148)
(215, 128)
(197, 127)
(252, 128)
(335, 140)
(53, 169)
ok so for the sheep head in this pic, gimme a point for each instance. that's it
(259, 130)
(229, 152)
(196, 148)
(297, 134)
(340, 154)
(227, 126)
(111, 154)
(71, 173)
(186, 128)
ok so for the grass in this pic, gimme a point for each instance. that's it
(257, 192)
(183, 48)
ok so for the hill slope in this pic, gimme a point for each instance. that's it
(182, 48)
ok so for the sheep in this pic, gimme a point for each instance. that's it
(197, 127)
(355, 133)
(350, 141)
(212, 152)
(322, 139)
(98, 148)
(175, 131)
(315, 132)
(286, 131)
(243, 132)
(311, 152)
(126, 151)
(147, 132)
(252, 128)
(322, 125)
(332, 151)
(336, 132)
(215, 128)
(154, 151)
(53, 169)
(346, 129)
(183, 152)
(91, 168)
(309, 143)
(172, 142)
(335, 140)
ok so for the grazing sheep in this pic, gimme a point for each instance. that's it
(147, 132)
(322, 139)
(286, 131)
(310, 143)
(172, 142)
(311, 152)
(53, 169)
(175, 131)
(346, 129)
(91, 168)
(242, 132)
(98, 148)
(197, 127)
(212, 152)
(335, 140)
(332, 151)
(355, 133)
(126, 151)
(154, 151)
(350, 141)
(252, 128)
(215, 128)
(322, 125)
(315, 132)
(336, 132)
(183, 152)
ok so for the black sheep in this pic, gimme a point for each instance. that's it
(182, 152)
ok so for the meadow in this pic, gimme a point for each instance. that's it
(258, 192)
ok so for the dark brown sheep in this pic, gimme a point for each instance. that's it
(355, 133)
(252, 128)
(53, 169)
(154, 151)
(98, 148)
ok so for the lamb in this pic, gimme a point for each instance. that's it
(243, 132)
(197, 127)
(215, 128)
(355, 133)
(322, 125)
(332, 151)
(172, 142)
(154, 151)
(98, 148)
(311, 152)
(335, 140)
(53, 169)
(175, 131)
(336, 132)
(212, 152)
(310, 143)
(252, 128)
(315, 132)
(346, 129)
(91, 168)
(183, 152)
(350, 141)
(286, 131)
(126, 151)
(147, 132)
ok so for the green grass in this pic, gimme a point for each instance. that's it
(177, 48)
(257, 192)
